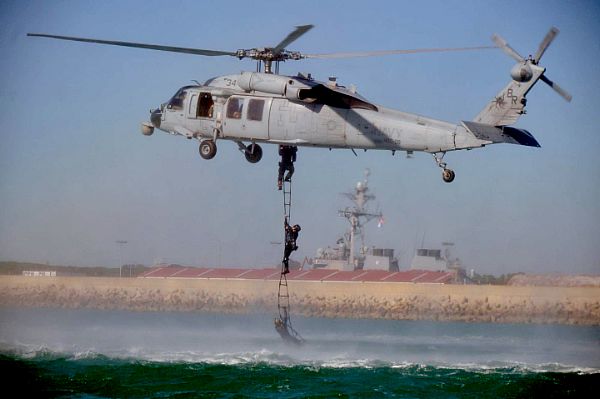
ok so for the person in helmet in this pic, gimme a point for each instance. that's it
(288, 157)
(291, 235)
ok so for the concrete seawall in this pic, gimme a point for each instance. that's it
(406, 301)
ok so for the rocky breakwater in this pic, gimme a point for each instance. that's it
(505, 304)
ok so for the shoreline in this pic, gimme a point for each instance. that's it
(361, 300)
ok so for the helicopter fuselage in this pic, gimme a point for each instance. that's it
(298, 111)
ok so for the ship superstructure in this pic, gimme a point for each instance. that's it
(345, 255)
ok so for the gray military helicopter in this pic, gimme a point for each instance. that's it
(265, 107)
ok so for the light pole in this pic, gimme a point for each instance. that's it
(276, 245)
(219, 245)
(219, 253)
(121, 243)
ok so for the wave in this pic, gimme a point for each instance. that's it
(265, 357)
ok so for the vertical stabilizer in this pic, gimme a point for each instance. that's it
(509, 103)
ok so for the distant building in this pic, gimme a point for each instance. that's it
(429, 259)
(435, 260)
(31, 273)
(381, 259)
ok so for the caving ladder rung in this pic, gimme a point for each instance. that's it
(287, 199)
(283, 295)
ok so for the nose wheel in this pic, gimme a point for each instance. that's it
(447, 174)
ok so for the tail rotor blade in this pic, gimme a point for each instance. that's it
(500, 42)
(562, 92)
(545, 43)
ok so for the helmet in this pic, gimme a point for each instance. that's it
(296, 227)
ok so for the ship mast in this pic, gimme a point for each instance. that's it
(358, 215)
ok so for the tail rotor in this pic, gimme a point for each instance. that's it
(522, 71)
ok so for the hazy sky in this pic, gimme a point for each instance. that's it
(76, 175)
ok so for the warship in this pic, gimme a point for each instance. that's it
(345, 255)
(351, 253)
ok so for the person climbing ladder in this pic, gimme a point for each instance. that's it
(291, 236)
(288, 157)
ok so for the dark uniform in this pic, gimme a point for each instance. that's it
(291, 235)
(285, 330)
(288, 157)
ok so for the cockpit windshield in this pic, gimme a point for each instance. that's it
(176, 102)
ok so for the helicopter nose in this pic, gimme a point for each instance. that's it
(155, 117)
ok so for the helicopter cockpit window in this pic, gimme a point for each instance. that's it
(255, 109)
(177, 101)
(235, 107)
(205, 106)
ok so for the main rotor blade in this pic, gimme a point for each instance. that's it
(299, 31)
(389, 52)
(563, 93)
(545, 43)
(139, 45)
(500, 42)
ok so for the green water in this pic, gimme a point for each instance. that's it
(44, 376)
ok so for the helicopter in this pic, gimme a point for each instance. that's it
(264, 107)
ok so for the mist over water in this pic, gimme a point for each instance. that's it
(236, 339)
(95, 353)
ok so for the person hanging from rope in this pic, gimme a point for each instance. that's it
(291, 235)
(284, 328)
(280, 327)
(288, 157)
(281, 323)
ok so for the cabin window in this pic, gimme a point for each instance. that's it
(255, 109)
(205, 106)
(177, 101)
(235, 107)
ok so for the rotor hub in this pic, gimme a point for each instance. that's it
(267, 54)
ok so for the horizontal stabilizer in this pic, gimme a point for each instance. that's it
(501, 134)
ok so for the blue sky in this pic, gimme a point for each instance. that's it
(76, 175)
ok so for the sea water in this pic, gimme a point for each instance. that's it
(94, 353)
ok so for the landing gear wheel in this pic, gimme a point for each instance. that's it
(448, 175)
(208, 149)
(253, 153)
